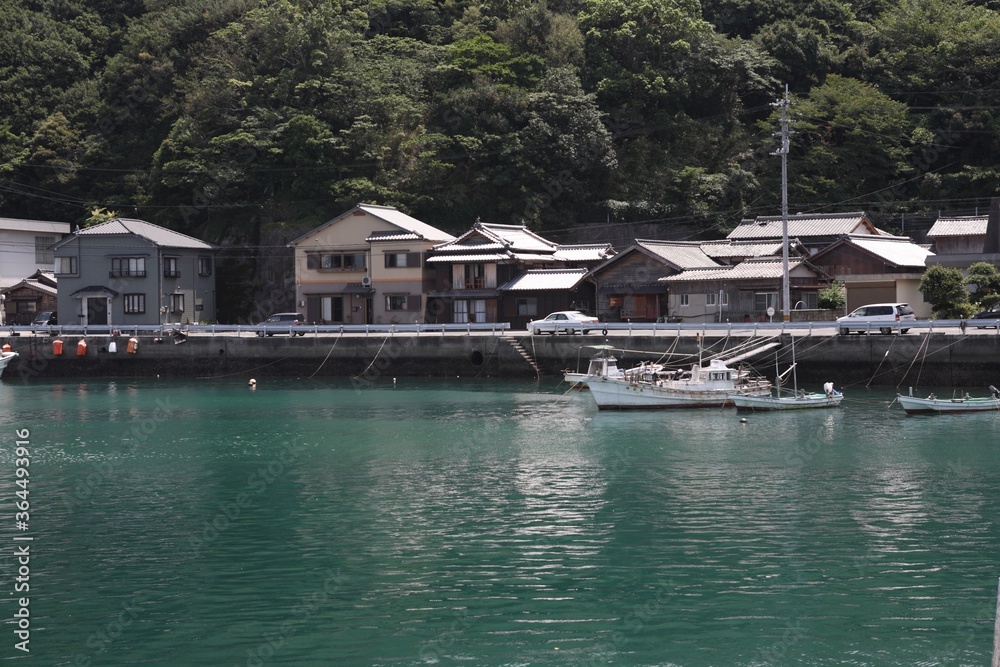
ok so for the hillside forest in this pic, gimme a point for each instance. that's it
(248, 123)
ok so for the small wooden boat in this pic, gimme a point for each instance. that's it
(797, 400)
(957, 404)
(789, 400)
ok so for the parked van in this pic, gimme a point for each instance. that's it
(886, 317)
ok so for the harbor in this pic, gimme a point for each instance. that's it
(940, 357)
(438, 521)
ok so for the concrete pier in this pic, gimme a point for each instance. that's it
(924, 360)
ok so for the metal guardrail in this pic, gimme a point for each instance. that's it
(257, 329)
(643, 328)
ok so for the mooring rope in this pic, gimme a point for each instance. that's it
(246, 370)
(373, 360)
(327, 357)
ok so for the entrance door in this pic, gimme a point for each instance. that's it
(97, 310)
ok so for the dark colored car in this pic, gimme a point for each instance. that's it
(282, 323)
(991, 313)
(46, 318)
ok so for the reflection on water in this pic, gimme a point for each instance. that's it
(499, 523)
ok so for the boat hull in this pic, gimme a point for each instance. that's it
(772, 403)
(6, 358)
(613, 394)
(926, 406)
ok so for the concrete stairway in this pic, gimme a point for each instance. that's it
(516, 344)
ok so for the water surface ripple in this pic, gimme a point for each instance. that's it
(495, 523)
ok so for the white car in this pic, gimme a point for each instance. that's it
(884, 317)
(569, 321)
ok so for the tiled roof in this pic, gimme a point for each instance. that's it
(160, 236)
(802, 226)
(682, 254)
(40, 226)
(728, 248)
(545, 279)
(395, 217)
(752, 269)
(972, 225)
(589, 252)
(403, 221)
(485, 257)
(897, 250)
(518, 238)
(389, 236)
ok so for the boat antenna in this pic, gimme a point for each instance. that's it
(785, 135)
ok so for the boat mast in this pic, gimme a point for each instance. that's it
(785, 134)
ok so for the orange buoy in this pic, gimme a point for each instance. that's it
(133, 345)
(81, 348)
(57, 347)
(6, 347)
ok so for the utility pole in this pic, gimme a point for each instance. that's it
(785, 135)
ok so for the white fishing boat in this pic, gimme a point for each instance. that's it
(650, 386)
(794, 399)
(6, 358)
(957, 404)
(602, 364)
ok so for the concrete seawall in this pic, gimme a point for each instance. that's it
(926, 360)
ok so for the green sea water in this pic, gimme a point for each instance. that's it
(471, 522)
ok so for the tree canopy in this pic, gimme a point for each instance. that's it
(234, 120)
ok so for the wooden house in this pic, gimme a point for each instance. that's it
(507, 273)
(877, 269)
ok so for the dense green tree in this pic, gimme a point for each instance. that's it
(944, 288)
(850, 143)
(986, 279)
(833, 297)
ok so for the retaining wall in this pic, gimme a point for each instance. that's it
(919, 360)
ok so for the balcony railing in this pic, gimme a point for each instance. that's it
(475, 283)
(171, 274)
(127, 274)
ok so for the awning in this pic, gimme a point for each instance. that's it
(94, 290)
(464, 294)
(357, 288)
(632, 289)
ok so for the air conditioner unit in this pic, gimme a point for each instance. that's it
(366, 281)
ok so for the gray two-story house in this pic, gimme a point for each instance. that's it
(129, 272)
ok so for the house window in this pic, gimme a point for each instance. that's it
(336, 261)
(204, 266)
(461, 312)
(26, 307)
(135, 304)
(402, 302)
(399, 260)
(527, 306)
(170, 268)
(128, 267)
(176, 303)
(684, 300)
(765, 300)
(712, 299)
(42, 253)
(475, 276)
(65, 265)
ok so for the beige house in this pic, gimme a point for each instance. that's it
(365, 266)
